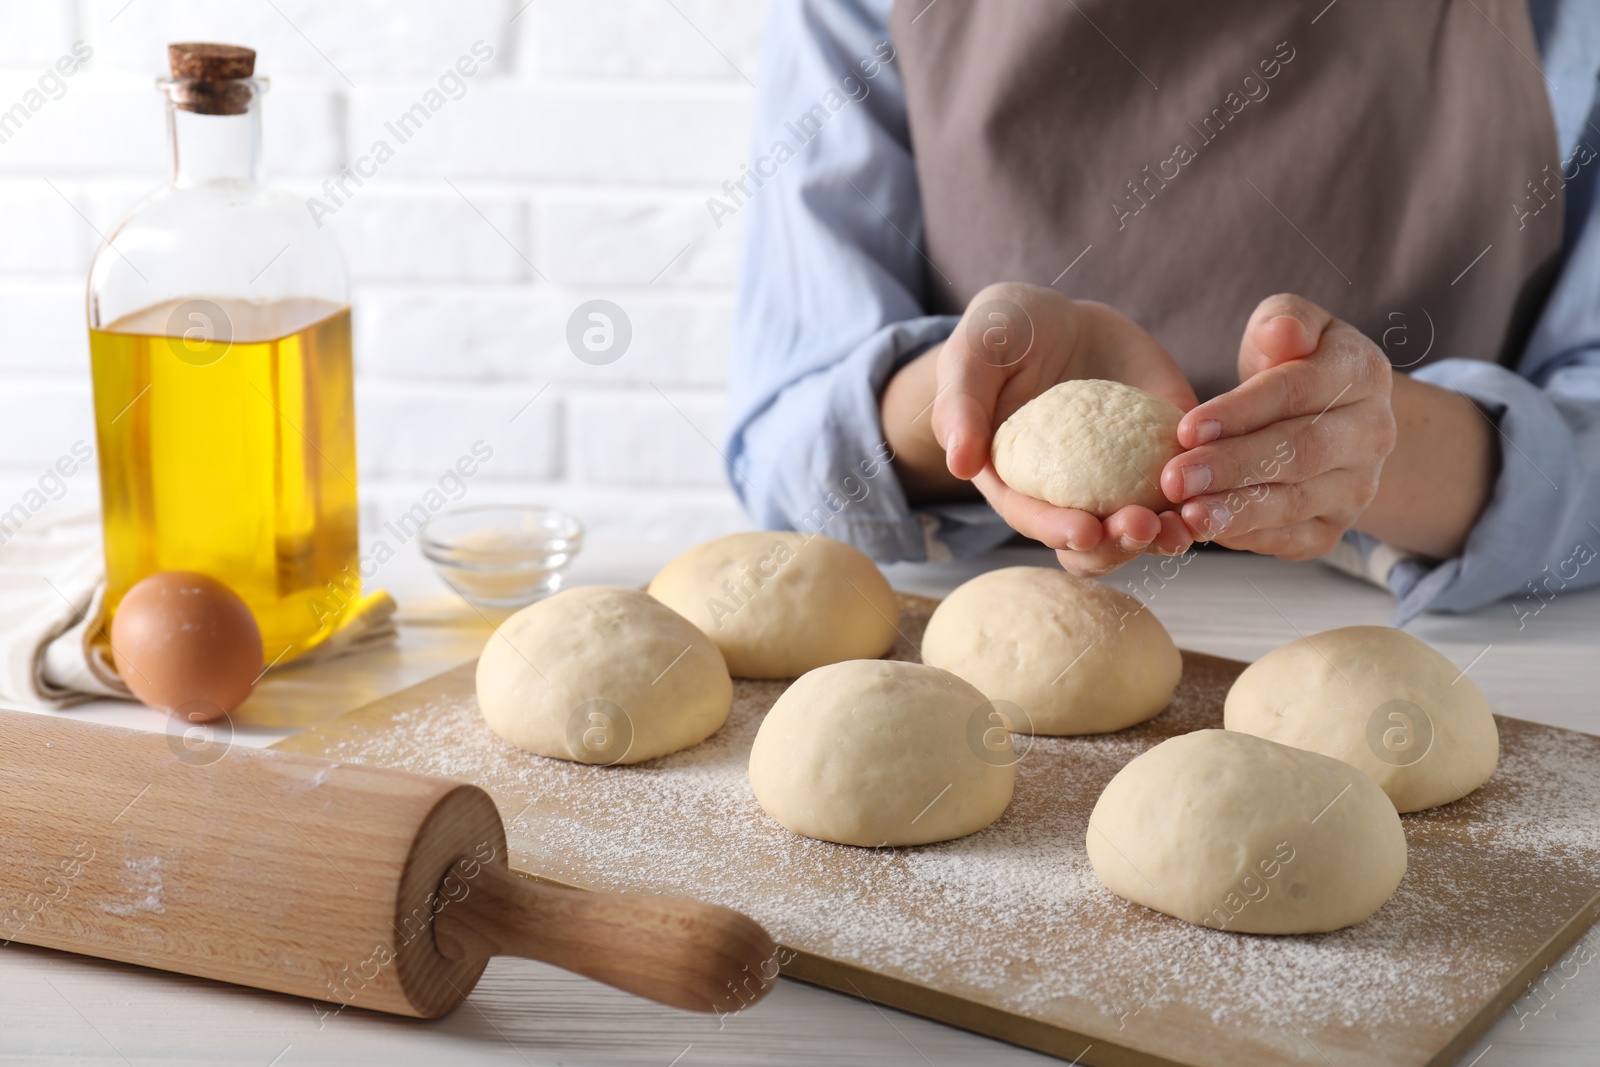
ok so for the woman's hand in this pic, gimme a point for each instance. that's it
(1014, 342)
(1286, 462)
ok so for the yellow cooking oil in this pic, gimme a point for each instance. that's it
(227, 446)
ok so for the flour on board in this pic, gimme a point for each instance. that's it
(1013, 915)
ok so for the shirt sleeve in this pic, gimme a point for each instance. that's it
(831, 289)
(1540, 532)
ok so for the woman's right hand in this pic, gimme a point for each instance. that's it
(1014, 342)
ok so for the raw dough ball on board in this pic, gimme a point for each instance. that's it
(779, 603)
(880, 752)
(602, 675)
(1378, 699)
(1094, 445)
(1076, 656)
(1236, 833)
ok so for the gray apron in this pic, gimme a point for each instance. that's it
(1182, 160)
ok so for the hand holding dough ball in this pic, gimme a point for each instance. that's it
(602, 675)
(779, 604)
(880, 752)
(1229, 831)
(1076, 656)
(1380, 700)
(1094, 445)
(187, 644)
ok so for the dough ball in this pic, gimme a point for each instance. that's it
(1378, 699)
(1077, 657)
(1094, 445)
(1236, 833)
(602, 675)
(779, 604)
(879, 752)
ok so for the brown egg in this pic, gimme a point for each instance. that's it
(186, 643)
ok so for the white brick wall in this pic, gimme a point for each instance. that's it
(575, 166)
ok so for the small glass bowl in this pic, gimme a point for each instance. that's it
(502, 556)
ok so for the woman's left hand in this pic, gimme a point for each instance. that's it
(1286, 462)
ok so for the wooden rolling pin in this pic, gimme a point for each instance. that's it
(349, 884)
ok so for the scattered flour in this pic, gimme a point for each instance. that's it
(142, 886)
(1014, 917)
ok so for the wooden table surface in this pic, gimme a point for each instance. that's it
(60, 1009)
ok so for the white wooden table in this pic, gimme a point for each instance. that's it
(61, 1009)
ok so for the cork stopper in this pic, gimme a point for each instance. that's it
(211, 62)
(211, 77)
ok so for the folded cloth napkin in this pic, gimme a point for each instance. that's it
(52, 588)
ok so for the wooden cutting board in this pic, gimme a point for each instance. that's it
(1007, 932)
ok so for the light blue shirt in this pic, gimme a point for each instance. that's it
(831, 303)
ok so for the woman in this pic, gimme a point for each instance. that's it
(1354, 241)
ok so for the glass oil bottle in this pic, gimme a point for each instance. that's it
(219, 338)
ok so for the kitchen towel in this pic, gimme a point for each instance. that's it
(52, 584)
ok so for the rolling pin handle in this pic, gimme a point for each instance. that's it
(677, 951)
